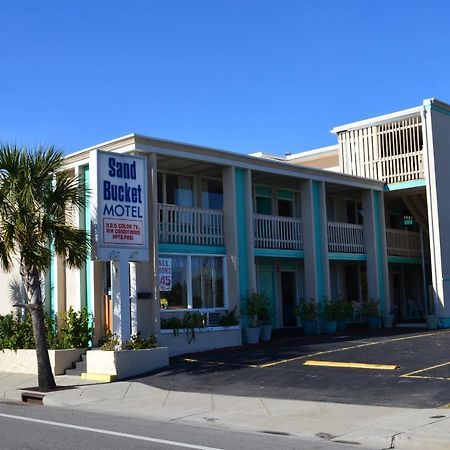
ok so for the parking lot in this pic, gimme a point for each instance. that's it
(399, 367)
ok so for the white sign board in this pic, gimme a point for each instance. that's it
(165, 274)
(118, 206)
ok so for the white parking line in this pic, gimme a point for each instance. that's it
(111, 433)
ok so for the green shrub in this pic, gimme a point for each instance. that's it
(229, 319)
(136, 342)
(77, 329)
(308, 309)
(256, 307)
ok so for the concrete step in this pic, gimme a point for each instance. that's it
(78, 367)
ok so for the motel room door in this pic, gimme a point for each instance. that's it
(288, 298)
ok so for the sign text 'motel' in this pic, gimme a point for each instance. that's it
(121, 207)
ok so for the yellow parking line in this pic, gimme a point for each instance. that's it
(353, 347)
(412, 374)
(351, 365)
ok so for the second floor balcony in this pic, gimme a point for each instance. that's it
(197, 226)
(191, 226)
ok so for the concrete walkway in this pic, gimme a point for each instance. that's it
(371, 426)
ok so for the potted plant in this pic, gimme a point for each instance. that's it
(308, 311)
(253, 303)
(264, 318)
(371, 310)
(344, 313)
(388, 319)
(332, 314)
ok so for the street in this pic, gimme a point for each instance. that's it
(36, 427)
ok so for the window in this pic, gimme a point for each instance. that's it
(263, 205)
(177, 297)
(196, 282)
(207, 282)
(179, 190)
(212, 194)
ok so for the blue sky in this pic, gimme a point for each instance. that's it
(241, 75)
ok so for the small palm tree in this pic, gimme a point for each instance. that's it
(37, 204)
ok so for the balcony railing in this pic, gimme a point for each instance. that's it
(404, 243)
(281, 233)
(345, 238)
(194, 226)
(391, 152)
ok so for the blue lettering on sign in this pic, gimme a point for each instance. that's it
(121, 170)
(121, 193)
(122, 210)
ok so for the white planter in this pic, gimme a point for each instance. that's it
(24, 361)
(432, 321)
(388, 321)
(252, 335)
(119, 364)
(266, 332)
(208, 338)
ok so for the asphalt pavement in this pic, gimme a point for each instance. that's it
(398, 368)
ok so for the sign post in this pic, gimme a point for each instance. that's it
(119, 224)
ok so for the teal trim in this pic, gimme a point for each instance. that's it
(405, 185)
(347, 256)
(51, 280)
(273, 253)
(405, 260)
(288, 266)
(264, 191)
(318, 239)
(285, 195)
(432, 106)
(86, 215)
(199, 249)
(241, 227)
(379, 248)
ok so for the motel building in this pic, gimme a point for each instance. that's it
(180, 228)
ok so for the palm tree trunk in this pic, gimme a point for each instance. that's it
(32, 281)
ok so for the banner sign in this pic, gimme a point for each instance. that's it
(119, 206)
(165, 274)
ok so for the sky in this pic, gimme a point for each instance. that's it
(240, 75)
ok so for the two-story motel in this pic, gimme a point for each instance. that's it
(366, 218)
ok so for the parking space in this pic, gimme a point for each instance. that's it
(402, 367)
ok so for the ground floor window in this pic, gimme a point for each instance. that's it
(191, 281)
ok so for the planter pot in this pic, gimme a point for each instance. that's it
(388, 320)
(330, 326)
(445, 322)
(432, 321)
(252, 335)
(374, 323)
(309, 327)
(119, 364)
(342, 324)
(266, 332)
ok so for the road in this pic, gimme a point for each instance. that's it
(36, 427)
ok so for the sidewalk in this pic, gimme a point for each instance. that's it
(370, 426)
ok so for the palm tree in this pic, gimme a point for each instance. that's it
(38, 199)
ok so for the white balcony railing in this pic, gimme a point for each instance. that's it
(282, 233)
(345, 238)
(391, 152)
(404, 243)
(194, 226)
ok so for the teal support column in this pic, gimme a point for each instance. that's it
(375, 245)
(315, 240)
(87, 270)
(381, 253)
(241, 226)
